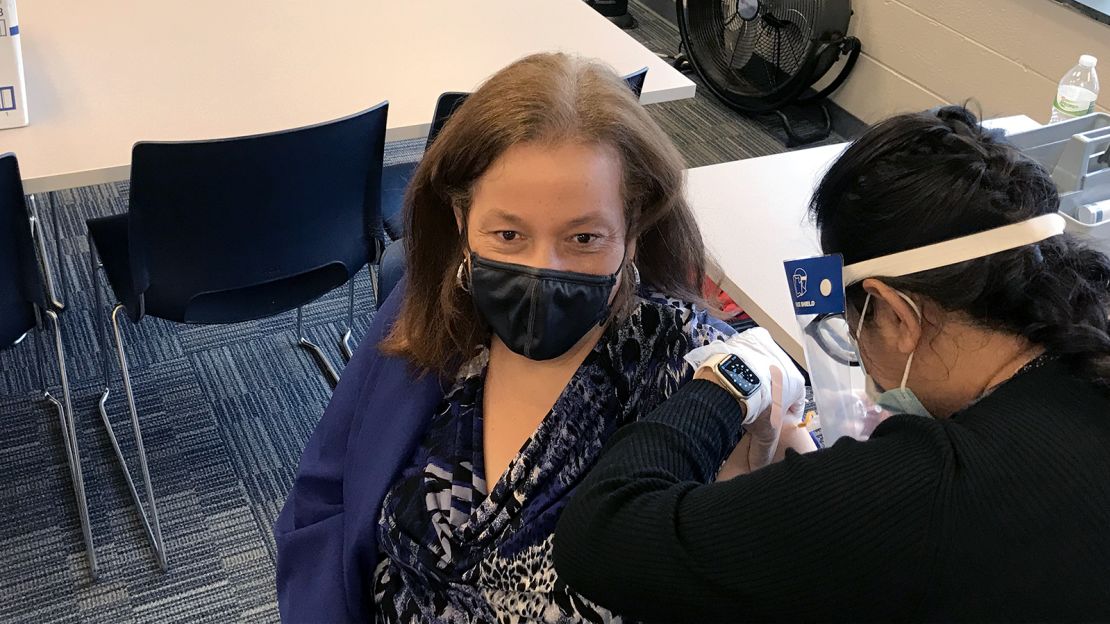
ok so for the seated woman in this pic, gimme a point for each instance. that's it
(552, 266)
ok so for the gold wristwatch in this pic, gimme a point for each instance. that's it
(734, 376)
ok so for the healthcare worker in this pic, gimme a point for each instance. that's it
(981, 330)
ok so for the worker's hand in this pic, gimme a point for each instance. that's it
(758, 350)
(868, 415)
(779, 402)
(849, 413)
(766, 439)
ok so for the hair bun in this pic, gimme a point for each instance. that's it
(956, 116)
(963, 122)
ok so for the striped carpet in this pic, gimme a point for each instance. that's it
(225, 412)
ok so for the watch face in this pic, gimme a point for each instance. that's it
(739, 375)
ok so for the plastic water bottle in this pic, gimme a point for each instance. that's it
(1077, 92)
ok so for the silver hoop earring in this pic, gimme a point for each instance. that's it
(459, 281)
(635, 275)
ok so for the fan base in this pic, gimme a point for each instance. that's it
(625, 22)
(791, 114)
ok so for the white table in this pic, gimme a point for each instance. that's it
(753, 217)
(103, 75)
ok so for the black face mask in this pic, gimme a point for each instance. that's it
(538, 313)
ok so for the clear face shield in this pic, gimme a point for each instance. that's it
(832, 355)
(817, 285)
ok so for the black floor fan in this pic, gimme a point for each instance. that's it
(762, 56)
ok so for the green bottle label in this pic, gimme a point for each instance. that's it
(1072, 108)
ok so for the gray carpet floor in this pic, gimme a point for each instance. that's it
(225, 411)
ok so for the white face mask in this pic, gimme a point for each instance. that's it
(900, 400)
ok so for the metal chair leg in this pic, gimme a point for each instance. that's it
(101, 343)
(98, 312)
(69, 436)
(44, 257)
(345, 340)
(317, 354)
(150, 523)
(375, 277)
(56, 224)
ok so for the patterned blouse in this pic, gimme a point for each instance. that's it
(454, 551)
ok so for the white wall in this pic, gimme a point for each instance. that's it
(1006, 54)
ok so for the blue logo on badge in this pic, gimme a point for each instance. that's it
(800, 279)
(816, 285)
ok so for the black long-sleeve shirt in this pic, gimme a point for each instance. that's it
(1001, 512)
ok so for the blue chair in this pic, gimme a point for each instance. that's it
(230, 230)
(22, 309)
(635, 81)
(393, 269)
(393, 187)
(395, 178)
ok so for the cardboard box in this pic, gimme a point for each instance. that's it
(13, 93)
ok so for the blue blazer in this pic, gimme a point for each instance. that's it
(326, 533)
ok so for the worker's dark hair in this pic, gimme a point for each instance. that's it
(923, 178)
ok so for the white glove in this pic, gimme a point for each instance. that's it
(779, 402)
(758, 350)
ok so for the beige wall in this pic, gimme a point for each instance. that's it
(1006, 54)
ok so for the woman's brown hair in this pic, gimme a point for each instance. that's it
(547, 98)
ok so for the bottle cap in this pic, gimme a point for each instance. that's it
(1088, 61)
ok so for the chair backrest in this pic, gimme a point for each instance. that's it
(445, 107)
(635, 81)
(236, 229)
(20, 281)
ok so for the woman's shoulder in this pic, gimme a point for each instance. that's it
(650, 345)
(686, 317)
(659, 331)
(1049, 386)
